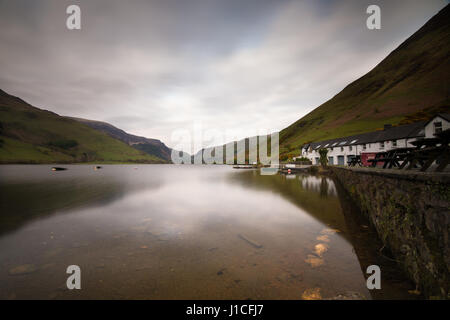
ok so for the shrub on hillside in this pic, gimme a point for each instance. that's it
(63, 144)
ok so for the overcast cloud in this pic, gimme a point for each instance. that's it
(151, 67)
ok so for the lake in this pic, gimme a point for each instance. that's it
(184, 232)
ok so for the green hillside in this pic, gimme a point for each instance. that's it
(150, 146)
(32, 135)
(410, 84)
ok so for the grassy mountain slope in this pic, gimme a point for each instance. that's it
(31, 135)
(410, 84)
(150, 146)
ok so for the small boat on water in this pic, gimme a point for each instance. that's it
(244, 167)
(97, 167)
(58, 169)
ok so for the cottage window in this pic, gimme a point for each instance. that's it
(350, 148)
(394, 143)
(364, 147)
(342, 149)
(381, 145)
(437, 127)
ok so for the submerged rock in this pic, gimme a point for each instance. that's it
(312, 294)
(221, 271)
(314, 261)
(22, 269)
(349, 295)
(250, 241)
(320, 249)
(329, 231)
(323, 238)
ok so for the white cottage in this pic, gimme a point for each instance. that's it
(341, 150)
(439, 123)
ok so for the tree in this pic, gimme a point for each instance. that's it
(323, 157)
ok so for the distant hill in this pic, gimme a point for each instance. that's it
(411, 84)
(31, 135)
(150, 146)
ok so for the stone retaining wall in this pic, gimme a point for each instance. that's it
(411, 213)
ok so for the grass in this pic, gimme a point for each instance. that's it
(17, 151)
(410, 84)
(32, 135)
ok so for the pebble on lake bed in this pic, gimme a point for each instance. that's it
(323, 238)
(320, 249)
(314, 261)
(329, 231)
(350, 295)
(23, 269)
(312, 294)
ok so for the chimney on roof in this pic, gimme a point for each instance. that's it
(387, 126)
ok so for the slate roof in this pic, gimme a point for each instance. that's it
(445, 116)
(413, 130)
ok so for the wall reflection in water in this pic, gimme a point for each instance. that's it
(325, 186)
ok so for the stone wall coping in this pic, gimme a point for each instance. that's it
(430, 177)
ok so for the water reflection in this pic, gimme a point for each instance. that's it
(304, 191)
(32, 192)
(178, 232)
(325, 186)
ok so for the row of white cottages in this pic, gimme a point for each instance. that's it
(341, 150)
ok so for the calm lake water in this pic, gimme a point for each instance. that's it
(184, 232)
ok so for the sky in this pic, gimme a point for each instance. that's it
(154, 67)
